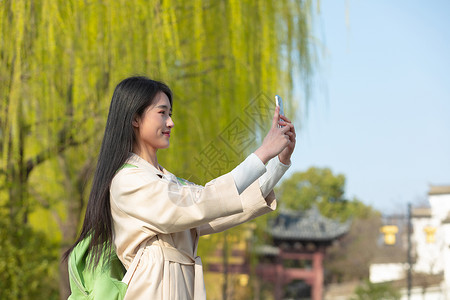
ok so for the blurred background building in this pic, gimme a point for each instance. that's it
(429, 246)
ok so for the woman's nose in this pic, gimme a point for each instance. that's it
(170, 123)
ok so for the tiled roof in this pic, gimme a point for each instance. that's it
(421, 212)
(306, 225)
(439, 190)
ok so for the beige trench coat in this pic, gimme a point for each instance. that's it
(158, 219)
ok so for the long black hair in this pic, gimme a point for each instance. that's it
(130, 99)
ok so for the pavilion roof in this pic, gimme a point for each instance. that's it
(307, 225)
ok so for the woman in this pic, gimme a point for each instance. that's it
(154, 219)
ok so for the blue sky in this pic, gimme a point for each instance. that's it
(380, 111)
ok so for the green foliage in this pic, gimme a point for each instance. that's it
(315, 186)
(320, 187)
(63, 59)
(376, 291)
(28, 263)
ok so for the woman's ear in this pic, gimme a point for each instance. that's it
(135, 122)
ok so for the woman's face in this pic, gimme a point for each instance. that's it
(154, 126)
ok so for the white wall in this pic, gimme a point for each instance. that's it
(440, 209)
(446, 258)
(440, 206)
(429, 255)
(387, 272)
(431, 293)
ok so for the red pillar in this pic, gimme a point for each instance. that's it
(279, 277)
(317, 287)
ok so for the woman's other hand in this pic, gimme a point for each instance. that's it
(278, 141)
(285, 154)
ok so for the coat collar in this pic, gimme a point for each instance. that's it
(135, 159)
(138, 161)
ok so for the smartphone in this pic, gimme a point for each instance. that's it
(279, 102)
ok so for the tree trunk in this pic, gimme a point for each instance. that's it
(64, 286)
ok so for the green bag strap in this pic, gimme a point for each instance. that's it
(126, 165)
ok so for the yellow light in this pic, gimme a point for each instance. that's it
(430, 232)
(243, 279)
(389, 234)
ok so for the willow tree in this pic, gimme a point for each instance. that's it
(60, 61)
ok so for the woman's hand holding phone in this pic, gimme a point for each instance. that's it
(278, 141)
